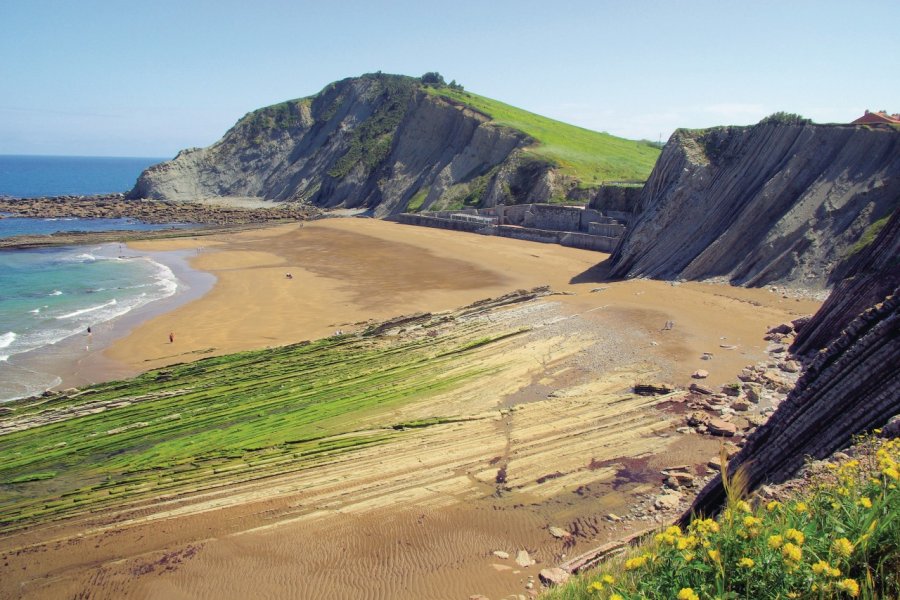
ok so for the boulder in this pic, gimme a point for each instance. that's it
(701, 389)
(700, 374)
(523, 559)
(667, 500)
(653, 389)
(553, 576)
(782, 329)
(731, 389)
(721, 427)
(741, 405)
(789, 366)
(697, 418)
(753, 392)
(500, 554)
(559, 533)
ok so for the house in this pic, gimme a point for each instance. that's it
(878, 117)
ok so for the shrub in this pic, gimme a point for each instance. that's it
(838, 539)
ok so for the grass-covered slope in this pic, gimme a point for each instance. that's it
(220, 420)
(589, 156)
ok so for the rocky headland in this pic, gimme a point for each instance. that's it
(782, 202)
(379, 142)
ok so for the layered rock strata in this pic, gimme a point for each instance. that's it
(771, 203)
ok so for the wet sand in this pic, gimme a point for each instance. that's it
(418, 517)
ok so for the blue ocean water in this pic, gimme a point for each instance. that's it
(50, 295)
(34, 176)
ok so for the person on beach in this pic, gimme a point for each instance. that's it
(172, 337)
(89, 330)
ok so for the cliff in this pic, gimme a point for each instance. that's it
(850, 386)
(382, 142)
(778, 202)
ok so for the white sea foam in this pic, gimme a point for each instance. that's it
(55, 293)
(4, 357)
(35, 311)
(83, 311)
(7, 338)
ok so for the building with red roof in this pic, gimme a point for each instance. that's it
(878, 117)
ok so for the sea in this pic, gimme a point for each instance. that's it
(50, 297)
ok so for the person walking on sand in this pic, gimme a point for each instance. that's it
(171, 337)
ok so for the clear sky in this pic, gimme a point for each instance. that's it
(147, 78)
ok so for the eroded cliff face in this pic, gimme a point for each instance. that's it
(375, 141)
(771, 203)
(851, 382)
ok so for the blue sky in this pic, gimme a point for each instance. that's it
(128, 78)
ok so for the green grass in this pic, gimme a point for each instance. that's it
(839, 537)
(589, 156)
(869, 235)
(225, 419)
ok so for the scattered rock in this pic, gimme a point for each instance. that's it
(721, 427)
(789, 366)
(523, 559)
(613, 517)
(697, 418)
(667, 500)
(753, 392)
(559, 533)
(599, 289)
(741, 405)
(782, 329)
(731, 389)
(669, 326)
(478, 597)
(706, 356)
(776, 349)
(892, 428)
(701, 389)
(653, 389)
(728, 346)
(700, 374)
(715, 463)
(553, 576)
(500, 554)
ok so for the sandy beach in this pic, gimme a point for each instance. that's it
(347, 272)
(419, 516)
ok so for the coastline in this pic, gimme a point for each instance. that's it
(348, 273)
(79, 360)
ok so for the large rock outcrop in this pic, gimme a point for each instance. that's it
(771, 203)
(372, 141)
(851, 385)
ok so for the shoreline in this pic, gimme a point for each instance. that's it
(79, 360)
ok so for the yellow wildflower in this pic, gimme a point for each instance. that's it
(842, 547)
(793, 595)
(834, 572)
(746, 562)
(751, 521)
(608, 579)
(865, 502)
(743, 506)
(595, 587)
(801, 507)
(775, 542)
(773, 505)
(792, 552)
(714, 554)
(795, 535)
(821, 567)
(685, 543)
(616, 597)
(636, 563)
(892, 472)
(688, 594)
(688, 556)
(850, 586)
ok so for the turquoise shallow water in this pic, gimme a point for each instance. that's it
(50, 295)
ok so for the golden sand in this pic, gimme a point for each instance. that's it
(418, 517)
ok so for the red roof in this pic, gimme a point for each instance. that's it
(878, 117)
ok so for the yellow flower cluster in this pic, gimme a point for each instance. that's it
(792, 553)
(688, 594)
(746, 563)
(850, 586)
(823, 568)
(887, 456)
(795, 536)
(842, 547)
(637, 562)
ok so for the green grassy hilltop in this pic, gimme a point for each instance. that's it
(589, 156)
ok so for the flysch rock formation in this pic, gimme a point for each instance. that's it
(774, 203)
(852, 383)
(370, 142)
